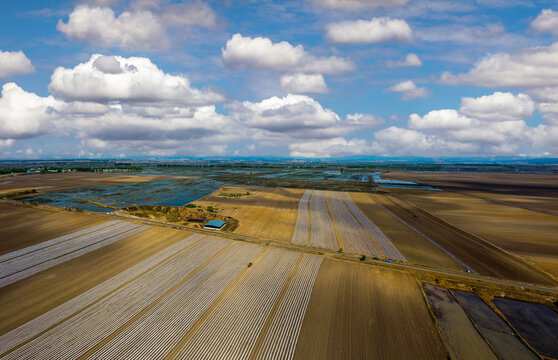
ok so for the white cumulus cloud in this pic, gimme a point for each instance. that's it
(261, 53)
(304, 83)
(498, 106)
(377, 30)
(410, 60)
(531, 68)
(546, 22)
(134, 79)
(131, 30)
(409, 90)
(14, 63)
(24, 114)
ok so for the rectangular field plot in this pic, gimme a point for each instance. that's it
(300, 235)
(31, 261)
(480, 313)
(362, 312)
(353, 236)
(82, 332)
(536, 323)
(460, 336)
(322, 233)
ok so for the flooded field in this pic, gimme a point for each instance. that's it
(176, 192)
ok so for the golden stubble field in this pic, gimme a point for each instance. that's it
(267, 213)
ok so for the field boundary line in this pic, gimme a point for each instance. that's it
(427, 238)
(98, 299)
(155, 302)
(176, 350)
(516, 256)
(365, 229)
(269, 320)
(339, 243)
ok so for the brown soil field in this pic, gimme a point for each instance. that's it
(534, 191)
(482, 256)
(47, 183)
(267, 213)
(24, 300)
(414, 247)
(23, 225)
(528, 234)
(361, 312)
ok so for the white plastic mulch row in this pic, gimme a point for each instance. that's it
(300, 235)
(231, 329)
(55, 241)
(43, 322)
(322, 233)
(75, 336)
(282, 335)
(159, 330)
(24, 266)
(353, 236)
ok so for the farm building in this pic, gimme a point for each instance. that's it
(214, 224)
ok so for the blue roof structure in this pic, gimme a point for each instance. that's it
(214, 224)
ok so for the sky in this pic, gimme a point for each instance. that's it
(302, 79)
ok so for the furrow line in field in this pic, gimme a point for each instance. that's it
(77, 335)
(381, 240)
(282, 335)
(158, 331)
(230, 331)
(60, 259)
(322, 233)
(20, 263)
(300, 235)
(354, 237)
(55, 241)
(64, 311)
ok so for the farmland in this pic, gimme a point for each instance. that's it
(289, 281)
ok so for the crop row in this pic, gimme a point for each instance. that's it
(55, 241)
(39, 262)
(322, 233)
(353, 236)
(231, 329)
(282, 335)
(67, 309)
(79, 334)
(159, 330)
(300, 235)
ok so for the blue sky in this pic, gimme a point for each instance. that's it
(307, 79)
